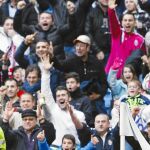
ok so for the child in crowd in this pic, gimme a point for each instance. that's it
(119, 86)
(68, 143)
(135, 98)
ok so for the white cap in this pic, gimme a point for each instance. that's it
(83, 38)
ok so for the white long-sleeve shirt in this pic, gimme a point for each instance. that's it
(61, 119)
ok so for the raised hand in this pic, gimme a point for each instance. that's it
(30, 38)
(9, 109)
(41, 136)
(112, 4)
(117, 63)
(21, 4)
(46, 62)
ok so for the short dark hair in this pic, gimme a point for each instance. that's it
(128, 13)
(12, 79)
(26, 93)
(6, 18)
(73, 75)
(60, 88)
(32, 68)
(70, 137)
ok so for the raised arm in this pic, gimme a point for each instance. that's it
(115, 26)
(45, 85)
(19, 56)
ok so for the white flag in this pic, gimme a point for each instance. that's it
(128, 126)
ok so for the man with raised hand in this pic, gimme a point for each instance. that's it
(65, 119)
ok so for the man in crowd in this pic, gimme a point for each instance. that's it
(25, 137)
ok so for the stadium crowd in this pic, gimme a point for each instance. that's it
(65, 68)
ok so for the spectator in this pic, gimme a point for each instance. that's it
(90, 67)
(42, 49)
(68, 142)
(97, 28)
(19, 74)
(45, 29)
(57, 7)
(25, 136)
(142, 17)
(9, 8)
(119, 87)
(124, 42)
(10, 40)
(9, 93)
(78, 99)
(32, 82)
(25, 16)
(107, 139)
(65, 119)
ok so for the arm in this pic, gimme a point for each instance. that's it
(19, 56)
(78, 124)
(115, 27)
(45, 85)
(89, 31)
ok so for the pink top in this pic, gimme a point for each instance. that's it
(122, 43)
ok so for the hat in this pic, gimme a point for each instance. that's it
(82, 38)
(29, 112)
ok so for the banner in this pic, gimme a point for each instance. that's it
(128, 126)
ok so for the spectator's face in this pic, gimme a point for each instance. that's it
(8, 25)
(42, 49)
(62, 99)
(128, 23)
(26, 102)
(18, 74)
(67, 144)
(70, 7)
(101, 124)
(45, 21)
(127, 74)
(72, 84)
(29, 123)
(12, 89)
(81, 49)
(104, 3)
(130, 5)
(133, 89)
(32, 77)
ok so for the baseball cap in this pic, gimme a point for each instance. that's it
(82, 38)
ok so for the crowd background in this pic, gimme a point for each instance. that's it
(65, 67)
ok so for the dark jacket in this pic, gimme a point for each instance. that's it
(52, 35)
(97, 28)
(76, 23)
(18, 139)
(91, 69)
(24, 18)
(82, 103)
(112, 140)
(57, 7)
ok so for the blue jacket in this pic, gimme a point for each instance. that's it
(118, 87)
(44, 146)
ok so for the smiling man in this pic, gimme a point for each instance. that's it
(65, 118)
(124, 41)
